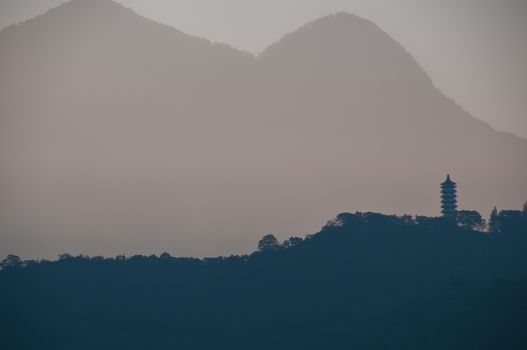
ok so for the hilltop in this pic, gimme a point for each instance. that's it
(366, 280)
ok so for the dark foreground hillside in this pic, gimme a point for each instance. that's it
(366, 281)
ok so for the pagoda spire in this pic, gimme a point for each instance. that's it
(448, 198)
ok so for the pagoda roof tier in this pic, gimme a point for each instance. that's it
(448, 182)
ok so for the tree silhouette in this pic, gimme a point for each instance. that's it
(120, 257)
(292, 241)
(268, 243)
(11, 261)
(470, 219)
(165, 256)
(494, 225)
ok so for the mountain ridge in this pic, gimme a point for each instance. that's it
(98, 6)
(192, 141)
(114, 5)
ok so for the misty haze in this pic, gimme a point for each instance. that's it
(121, 135)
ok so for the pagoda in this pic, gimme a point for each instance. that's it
(448, 199)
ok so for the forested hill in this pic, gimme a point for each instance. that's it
(365, 281)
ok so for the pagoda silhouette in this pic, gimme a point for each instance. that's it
(449, 199)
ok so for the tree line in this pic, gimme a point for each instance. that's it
(365, 280)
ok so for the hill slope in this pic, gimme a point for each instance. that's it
(364, 281)
(114, 126)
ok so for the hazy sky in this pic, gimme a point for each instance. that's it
(475, 50)
(63, 192)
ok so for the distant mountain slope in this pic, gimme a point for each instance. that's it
(114, 126)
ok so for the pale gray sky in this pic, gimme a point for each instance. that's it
(474, 50)
(336, 118)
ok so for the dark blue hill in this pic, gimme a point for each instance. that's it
(365, 281)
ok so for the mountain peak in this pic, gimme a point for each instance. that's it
(91, 7)
(107, 4)
(341, 29)
(73, 13)
(341, 20)
(367, 52)
(343, 16)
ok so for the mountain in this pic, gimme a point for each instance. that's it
(365, 281)
(122, 132)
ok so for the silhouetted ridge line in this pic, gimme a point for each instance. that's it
(364, 279)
